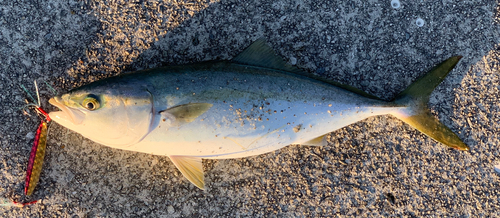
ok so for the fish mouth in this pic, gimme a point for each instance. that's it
(66, 114)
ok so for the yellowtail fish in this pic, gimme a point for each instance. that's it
(250, 105)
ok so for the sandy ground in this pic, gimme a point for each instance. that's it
(378, 167)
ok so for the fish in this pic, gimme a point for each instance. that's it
(252, 104)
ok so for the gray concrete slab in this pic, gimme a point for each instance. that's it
(377, 167)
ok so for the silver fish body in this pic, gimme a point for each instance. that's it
(229, 109)
(253, 110)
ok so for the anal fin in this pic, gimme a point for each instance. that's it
(318, 141)
(191, 168)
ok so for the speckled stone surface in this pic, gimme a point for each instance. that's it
(377, 167)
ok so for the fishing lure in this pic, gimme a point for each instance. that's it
(4, 202)
(39, 145)
(36, 159)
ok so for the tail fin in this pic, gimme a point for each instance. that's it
(416, 97)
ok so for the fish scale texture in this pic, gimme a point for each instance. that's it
(374, 168)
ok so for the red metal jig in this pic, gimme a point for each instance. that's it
(36, 159)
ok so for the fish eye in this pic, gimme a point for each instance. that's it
(91, 103)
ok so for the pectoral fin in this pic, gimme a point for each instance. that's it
(186, 113)
(191, 168)
(318, 141)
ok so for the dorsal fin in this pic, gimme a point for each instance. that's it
(259, 54)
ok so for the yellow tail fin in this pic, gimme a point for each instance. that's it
(416, 96)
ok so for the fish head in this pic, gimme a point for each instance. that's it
(116, 115)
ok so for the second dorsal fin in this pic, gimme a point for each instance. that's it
(259, 54)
